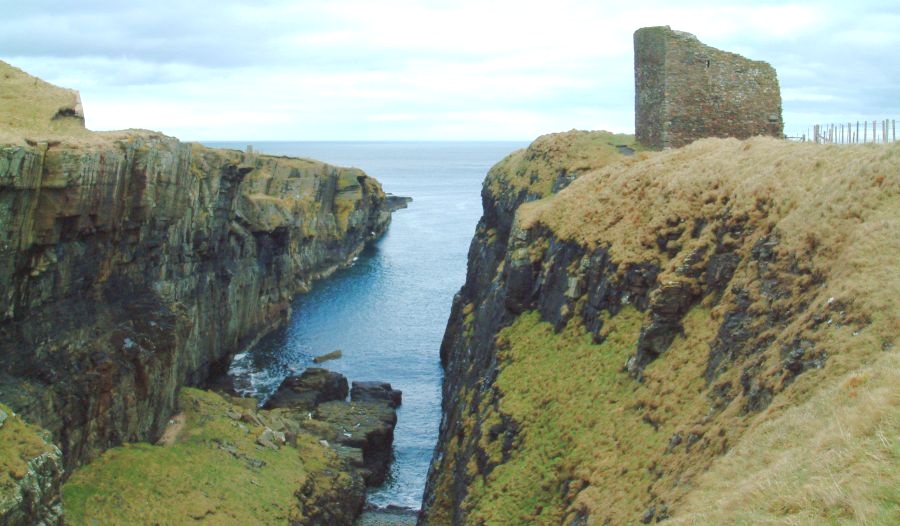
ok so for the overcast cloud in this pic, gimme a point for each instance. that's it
(402, 69)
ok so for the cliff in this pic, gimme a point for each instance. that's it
(706, 335)
(132, 264)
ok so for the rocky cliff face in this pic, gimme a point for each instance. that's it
(626, 322)
(132, 264)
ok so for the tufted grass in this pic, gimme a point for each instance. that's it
(834, 459)
(594, 441)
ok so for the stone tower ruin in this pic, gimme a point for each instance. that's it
(685, 90)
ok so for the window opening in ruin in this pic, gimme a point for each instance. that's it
(707, 64)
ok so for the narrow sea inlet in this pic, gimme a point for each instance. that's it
(387, 313)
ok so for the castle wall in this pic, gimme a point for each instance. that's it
(685, 90)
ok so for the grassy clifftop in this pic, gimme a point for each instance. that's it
(28, 105)
(705, 336)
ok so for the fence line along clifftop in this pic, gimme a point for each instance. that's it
(883, 131)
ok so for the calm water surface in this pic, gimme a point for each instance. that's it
(387, 312)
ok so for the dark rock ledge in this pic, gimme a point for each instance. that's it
(361, 430)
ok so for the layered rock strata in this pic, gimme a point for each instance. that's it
(132, 264)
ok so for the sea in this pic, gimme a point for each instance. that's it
(388, 311)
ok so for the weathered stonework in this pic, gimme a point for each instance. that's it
(685, 90)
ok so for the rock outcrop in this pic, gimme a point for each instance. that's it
(627, 321)
(376, 392)
(31, 473)
(361, 430)
(309, 389)
(132, 264)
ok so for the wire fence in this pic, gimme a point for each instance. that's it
(883, 131)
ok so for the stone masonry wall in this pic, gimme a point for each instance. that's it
(685, 90)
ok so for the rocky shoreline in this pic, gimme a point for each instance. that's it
(133, 264)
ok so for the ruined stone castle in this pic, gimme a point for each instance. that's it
(685, 90)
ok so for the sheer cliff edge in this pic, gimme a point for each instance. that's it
(132, 264)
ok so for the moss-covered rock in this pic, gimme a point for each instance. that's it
(30, 473)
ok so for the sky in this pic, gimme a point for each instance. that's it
(432, 69)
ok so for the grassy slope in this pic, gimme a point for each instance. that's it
(825, 450)
(834, 458)
(214, 473)
(536, 168)
(28, 105)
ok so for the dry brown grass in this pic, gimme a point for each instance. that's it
(826, 449)
(837, 208)
(834, 458)
(28, 105)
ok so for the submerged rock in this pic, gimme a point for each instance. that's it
(333, 355)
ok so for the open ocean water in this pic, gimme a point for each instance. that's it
(388, 311)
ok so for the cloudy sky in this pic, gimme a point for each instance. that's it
(430, 69)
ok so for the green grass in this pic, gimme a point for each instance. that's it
(594, 440)
(20, 442)
(28, 105)
(834, 459)
(576, 152)
(572, 400)
(214, 473)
